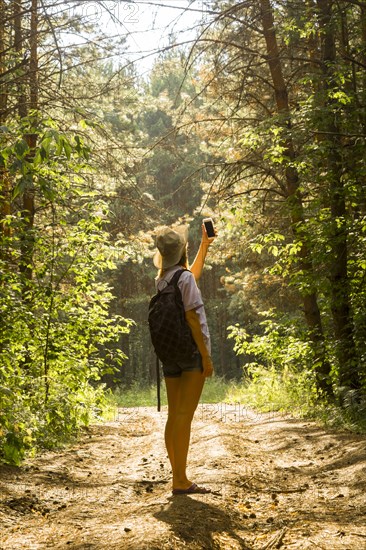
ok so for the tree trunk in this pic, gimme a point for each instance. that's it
(3, 87)
(311, 309)
(31, 139)
(4, 177)
(340, 294)
(18, 47)
(33, 62)
(362, 102)
(363, 58)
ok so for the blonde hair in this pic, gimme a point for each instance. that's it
(183, 262)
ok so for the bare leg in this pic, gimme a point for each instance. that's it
(183, 397)
(173, 391)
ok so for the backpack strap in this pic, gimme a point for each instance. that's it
(174, 280)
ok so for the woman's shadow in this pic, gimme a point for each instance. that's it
(196, 521)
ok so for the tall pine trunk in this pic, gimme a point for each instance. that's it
(3, 87)
(30, 109)
(340, 288)
(4, 177)
(363, 58)
(27, 86)
(310, 303)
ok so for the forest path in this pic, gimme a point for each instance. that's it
(278, 483)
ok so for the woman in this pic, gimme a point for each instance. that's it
(184, 379)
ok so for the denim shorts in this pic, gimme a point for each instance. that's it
(175, 368)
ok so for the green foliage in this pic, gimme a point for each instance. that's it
(136, 395)
(57, 335)
(293, 167)
(172, 173)
(278, 346)
(279, 375)
(270, 389)
(216, 390)
(290, 393)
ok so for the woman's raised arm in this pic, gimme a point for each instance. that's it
(199, 261)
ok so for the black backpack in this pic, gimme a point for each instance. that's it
(170, 333)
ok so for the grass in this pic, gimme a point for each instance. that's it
(214, 391)
(136, 396)
(291, 393)
(270, 391)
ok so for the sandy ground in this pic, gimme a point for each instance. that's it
(277, 483)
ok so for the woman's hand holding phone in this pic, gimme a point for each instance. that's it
(208, 231)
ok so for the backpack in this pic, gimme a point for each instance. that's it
(170, 333)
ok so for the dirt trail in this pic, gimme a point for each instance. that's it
(278, 483)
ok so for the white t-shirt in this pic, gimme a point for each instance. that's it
(191, 296)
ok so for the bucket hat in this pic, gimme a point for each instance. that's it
(170, 244)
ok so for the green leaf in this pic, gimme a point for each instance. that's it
(273, 250)
(46, 188)
(21, 148)
(46, 145)
(67, 149)
(22, 185)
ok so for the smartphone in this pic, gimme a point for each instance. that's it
(209, 226)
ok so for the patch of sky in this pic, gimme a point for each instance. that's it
(149, 26)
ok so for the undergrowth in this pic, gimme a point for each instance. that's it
(271, 391)
(267, 391)
(215, 390)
